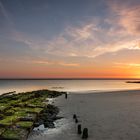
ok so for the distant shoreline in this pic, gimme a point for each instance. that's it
(138, 82)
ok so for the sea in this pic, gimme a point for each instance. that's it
(71, 85)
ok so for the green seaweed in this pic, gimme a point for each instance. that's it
(18, 112)
(14, 134)
(24, 124)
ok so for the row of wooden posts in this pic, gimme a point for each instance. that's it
(79, 127)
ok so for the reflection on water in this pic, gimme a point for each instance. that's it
(64, 85)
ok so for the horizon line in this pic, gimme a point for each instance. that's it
(68, 78)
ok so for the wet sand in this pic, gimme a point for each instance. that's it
(108, 116)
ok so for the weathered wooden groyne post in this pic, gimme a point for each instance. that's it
(76, 120)
(74, 116)
(79, 131)
(85, 133)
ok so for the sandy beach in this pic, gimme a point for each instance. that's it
(108, 116)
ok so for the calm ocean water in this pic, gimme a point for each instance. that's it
(65, 85)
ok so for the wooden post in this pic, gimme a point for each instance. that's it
(85, 133)
(76, 120)
(74, 116)
(79, 131)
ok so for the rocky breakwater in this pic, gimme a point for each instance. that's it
(20, 113)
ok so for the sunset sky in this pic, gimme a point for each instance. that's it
(70, 38)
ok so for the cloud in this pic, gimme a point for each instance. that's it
(55, 63)
(82, 33)
(86, 41)
(91, 41)
(117, 46)
(6, 14)
(46, 62)
(126, 65)
(127, 15)
(41, 62)
(68, 64)
(90, 38)
(74, 41)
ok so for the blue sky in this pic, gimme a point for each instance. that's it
(69, 38)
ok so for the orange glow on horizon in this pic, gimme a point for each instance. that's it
(80, 72)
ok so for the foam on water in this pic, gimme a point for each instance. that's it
(42, 132)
